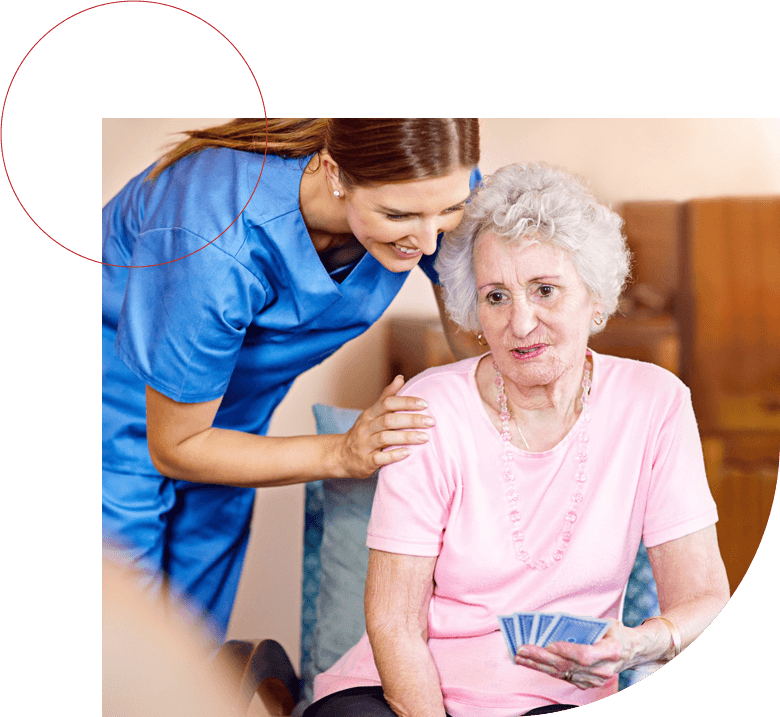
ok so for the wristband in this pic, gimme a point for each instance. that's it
(676, 640)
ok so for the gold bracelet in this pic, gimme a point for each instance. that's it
(676, 640)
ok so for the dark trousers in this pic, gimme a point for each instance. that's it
(370, 702)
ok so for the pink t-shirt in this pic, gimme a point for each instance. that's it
(645, 480)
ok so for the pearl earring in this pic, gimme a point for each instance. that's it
(336, 193)
(599, 320)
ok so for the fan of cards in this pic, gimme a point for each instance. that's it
(544, 628)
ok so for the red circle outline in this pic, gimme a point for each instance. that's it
(121, 2)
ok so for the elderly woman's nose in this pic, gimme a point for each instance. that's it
(522, 318)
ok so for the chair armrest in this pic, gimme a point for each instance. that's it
(259, 667)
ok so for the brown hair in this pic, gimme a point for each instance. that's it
(367, 151)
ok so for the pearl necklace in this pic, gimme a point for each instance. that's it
(518, 538)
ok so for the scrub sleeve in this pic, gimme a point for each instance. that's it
(239, 318)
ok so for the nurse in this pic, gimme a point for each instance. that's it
(199, 351)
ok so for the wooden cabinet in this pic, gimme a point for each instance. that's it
(728, 304)
(415, 344)
(654, 339)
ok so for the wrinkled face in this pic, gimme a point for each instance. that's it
(398, 223)
(534, 309)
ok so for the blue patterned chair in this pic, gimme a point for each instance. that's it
(335, 561)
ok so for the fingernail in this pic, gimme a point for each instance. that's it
(421, 403)
(422, 437)
(428, 421)
(405, 452)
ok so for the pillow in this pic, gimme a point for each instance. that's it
(343, 557)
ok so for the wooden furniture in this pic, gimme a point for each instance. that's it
(645, 327)
(704, 302)
(729, 304)
(414, 344)
(258, 669)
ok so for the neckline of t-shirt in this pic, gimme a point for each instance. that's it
(563, 443)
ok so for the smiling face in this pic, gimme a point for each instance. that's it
(398, 223)
(534, 309)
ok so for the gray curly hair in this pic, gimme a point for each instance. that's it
(520, 201)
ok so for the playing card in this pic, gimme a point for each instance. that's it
(507, 625)
(544, 628)
(547, 621)
(524, 622)
(574, 628)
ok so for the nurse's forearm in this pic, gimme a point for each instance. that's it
(241, 459)
(184, 444)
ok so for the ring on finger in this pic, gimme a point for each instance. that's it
(567, 676)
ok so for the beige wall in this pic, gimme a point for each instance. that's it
(631, 159)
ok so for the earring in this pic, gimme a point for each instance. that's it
(599, 320)
(480, 341)
(336, 193)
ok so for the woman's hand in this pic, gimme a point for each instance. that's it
(385, 425)
(584, 666)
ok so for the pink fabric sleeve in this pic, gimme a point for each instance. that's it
(413, 500)
(679, 500)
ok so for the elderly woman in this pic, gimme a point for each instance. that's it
(547, 465)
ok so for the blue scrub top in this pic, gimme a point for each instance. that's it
(242, 318)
